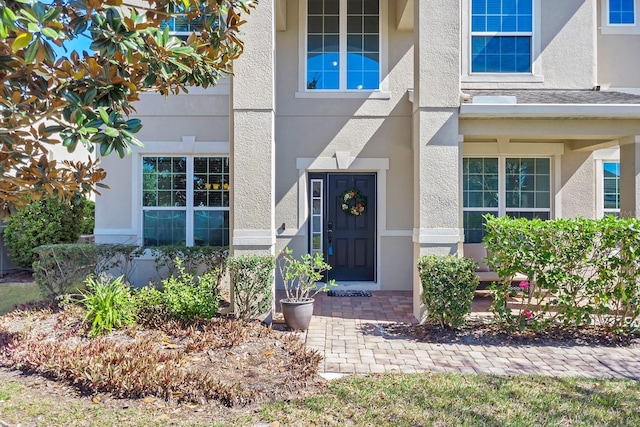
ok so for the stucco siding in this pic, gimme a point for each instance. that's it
(578, 185)
(566, 56)
(616, 66)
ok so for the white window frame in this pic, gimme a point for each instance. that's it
(383, 90)
(535, 76)
(502, 188)
(189, 207)
(607, 27)
(601, 157)
(188, 147)
(320, 231)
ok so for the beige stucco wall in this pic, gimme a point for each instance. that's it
(578, 195)
(616, 66)
(202, 114)
(566, 40)
(366, 128)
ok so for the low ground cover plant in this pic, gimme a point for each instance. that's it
(448, 284)
(581, 271)
(184, 362)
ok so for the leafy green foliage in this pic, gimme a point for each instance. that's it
(193, 259)
(187, 297)
(300, 276)
(151, 310)
(252, 281)
(62, 268)
(109, 304)
(86, 98)
(41, 222)
(88, 217)
(448, 284)
(581, 271)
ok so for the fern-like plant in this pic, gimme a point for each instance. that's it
(109, 304)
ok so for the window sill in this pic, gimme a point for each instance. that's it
(620, 29)
(503, 78)
(344, 95)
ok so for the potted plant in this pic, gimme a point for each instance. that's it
(301, 279)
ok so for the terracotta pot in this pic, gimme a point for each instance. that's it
(297, 314)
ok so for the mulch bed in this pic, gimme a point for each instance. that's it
(484, 332)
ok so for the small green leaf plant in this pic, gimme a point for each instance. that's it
(188, 297)
(109, 304)
(301, 276)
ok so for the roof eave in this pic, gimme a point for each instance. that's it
(621, 111)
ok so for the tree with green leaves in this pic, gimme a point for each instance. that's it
(50, 94)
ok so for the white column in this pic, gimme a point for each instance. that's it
(253, 139)
(630, 177)
(436, 142)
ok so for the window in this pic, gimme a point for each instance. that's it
(517, 187)
(611, 188)
(343, 45)
(622, 12)
(185, 201)
(182, 27)
(501, 36)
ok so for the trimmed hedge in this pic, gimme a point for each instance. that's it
(252, 280)
(448, 284)
(61, 268)
(581, 271)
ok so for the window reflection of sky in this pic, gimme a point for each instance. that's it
(612, 168)
(363, 71)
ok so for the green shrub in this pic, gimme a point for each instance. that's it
(151, 310)
(187, 297)
(118, 258)
(109, 304)
(62, 268)
(448, 284)
(252, 281)
(88, 217)
(581, 271)
(193, 259)
(41, 222)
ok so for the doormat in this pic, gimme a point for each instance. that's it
(349, 293)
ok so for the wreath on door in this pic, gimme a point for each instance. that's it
(353, 202)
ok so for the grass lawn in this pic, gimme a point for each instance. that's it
(388, 400)
(450, 399)
(17, 293)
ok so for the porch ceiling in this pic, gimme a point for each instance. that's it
(404, 15)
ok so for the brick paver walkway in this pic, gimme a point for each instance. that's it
(347, 331)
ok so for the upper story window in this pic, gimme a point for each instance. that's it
(343, 45)
(611, 188)
(516, 187)
(622, 12)
(501, 36)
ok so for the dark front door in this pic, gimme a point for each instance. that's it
(350, 240)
